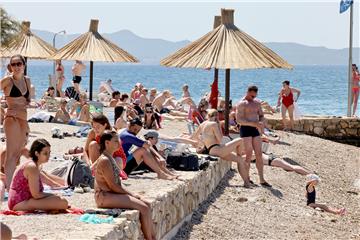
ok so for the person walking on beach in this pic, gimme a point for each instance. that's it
(16, 87)
(77, 70)
(355, 87)
(286, 97)
(250, 116)
(60, 78)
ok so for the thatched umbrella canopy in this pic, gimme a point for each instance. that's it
(91, 46)
(28, 45)
(226, 47)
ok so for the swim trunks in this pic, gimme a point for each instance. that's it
(248, 131)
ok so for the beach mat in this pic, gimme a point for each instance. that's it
(73, 210)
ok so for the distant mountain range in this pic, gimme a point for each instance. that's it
(151, 51)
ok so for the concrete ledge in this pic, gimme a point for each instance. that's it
(171, 203)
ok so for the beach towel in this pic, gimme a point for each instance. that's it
(94, 219)
(73, 210)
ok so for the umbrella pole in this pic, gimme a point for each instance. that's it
(25, 70)
(227, 100)
(91, 80)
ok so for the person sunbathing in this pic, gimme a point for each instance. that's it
(151, 118)
(109, 192)
(141, 153)
(210, 134)
(153, 137)
(144, 98)
(62, 115)
(119, 121)
(115, 99)
(81, 109)
(47, 178)
(99, 124)
(270, 160)
(162, 101)
(26, 190)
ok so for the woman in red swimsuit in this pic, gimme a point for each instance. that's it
(16, 87)
(286, 97)
(100, 123)
(355, 87)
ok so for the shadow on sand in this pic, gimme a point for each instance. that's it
(197, 217)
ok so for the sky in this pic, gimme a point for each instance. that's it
(313, 23)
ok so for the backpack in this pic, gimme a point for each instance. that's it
(183, 161)
(80, 174)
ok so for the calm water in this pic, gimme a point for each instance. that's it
(323, 88)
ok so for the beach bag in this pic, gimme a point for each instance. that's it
(80, 174)
(297, 113)
(183, 161)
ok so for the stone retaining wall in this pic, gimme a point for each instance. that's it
(172, 206)
(326, 127)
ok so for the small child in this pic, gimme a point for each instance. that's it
(312, 181)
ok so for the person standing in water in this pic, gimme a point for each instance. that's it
(77, 70)
(286, 98)
(355, 87)
(250, 117)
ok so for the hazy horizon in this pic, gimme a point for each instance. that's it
(316, 24)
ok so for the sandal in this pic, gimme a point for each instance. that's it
(265, 184)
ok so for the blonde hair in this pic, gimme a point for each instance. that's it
(211, 113)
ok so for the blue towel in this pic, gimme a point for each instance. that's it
(94, 219)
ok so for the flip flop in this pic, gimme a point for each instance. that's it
(265, 184)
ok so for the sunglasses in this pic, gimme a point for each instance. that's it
(149, 112)
(18, 64)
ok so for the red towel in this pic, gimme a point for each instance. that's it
(214, 94)
(71, 210)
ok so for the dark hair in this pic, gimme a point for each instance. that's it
(286, 82)
(106, 136)
(102, 119)
(50, 88)
(115, 93)
(123, 96)
(136, 121)
(18, 56)
(118, 110)
(37, 146)
(253, 88)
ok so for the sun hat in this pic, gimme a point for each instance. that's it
(152, 134)
(312, 177)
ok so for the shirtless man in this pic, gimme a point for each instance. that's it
(250, 117)
(153, 94)
(77, 70)
(115, 99)
(143, 98)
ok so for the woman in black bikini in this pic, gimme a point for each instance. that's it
(16, 87)
(210, 134)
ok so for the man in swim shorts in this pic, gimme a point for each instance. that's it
(77, 70)
(250, 116)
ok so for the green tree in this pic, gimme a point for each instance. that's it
(9, 27)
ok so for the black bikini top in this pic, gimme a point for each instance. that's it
(15, 92)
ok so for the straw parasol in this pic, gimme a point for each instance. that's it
(226, 47)
(28, 45)
(91, 46)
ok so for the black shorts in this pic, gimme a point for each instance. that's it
(131, 165)
(165, 110)
(248, 131)
(76, 79)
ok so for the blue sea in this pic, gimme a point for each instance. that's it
(323, 88)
